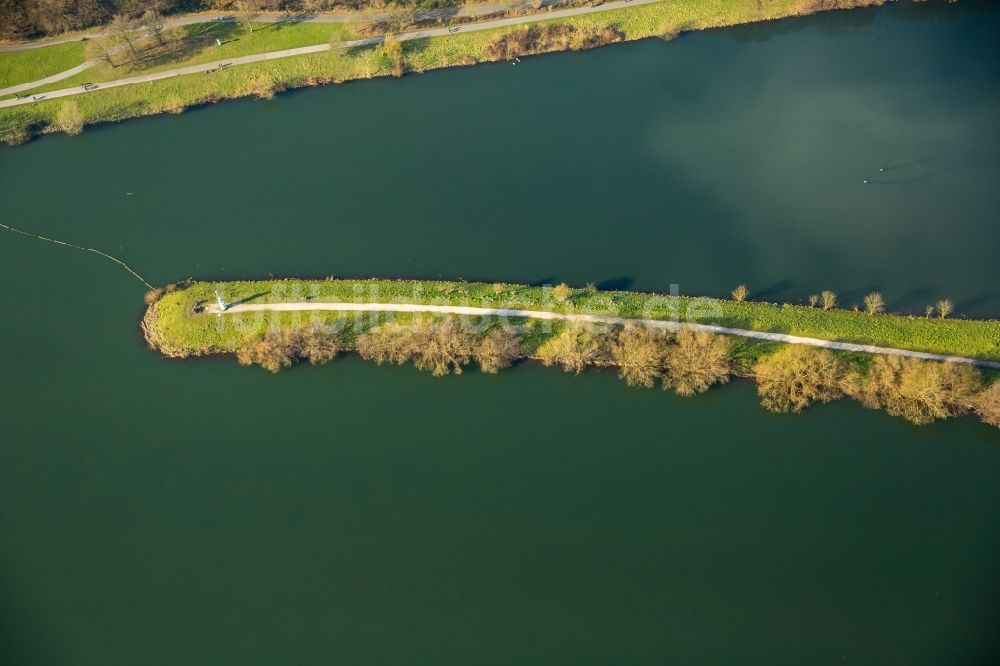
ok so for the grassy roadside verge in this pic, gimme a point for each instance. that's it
(263, 79)
(177, 332)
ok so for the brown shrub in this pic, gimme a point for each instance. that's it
(497, 350)
(594, 37)
(438, 346)
(153, 295)
(697, 361)
(281, 348)
(528, 41)
(796, 376)
(263, 86)
(318, 346)
(173, 104)
(574, 348)
(441, 347)
(813, 6)
(919, 391)
(69, 118)
(562, 292)
(987, 405)
(274, 351)
(639, 354)
(388, 343)
(316, 80)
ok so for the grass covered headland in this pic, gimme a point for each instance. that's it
(789, 377)
(393, 58)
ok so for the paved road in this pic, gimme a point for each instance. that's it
(592, 319)
(274, 55)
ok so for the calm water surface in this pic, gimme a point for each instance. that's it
(156, 512)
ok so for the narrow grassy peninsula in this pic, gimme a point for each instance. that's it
(798, 354)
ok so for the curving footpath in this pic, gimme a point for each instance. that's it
(208, 68)
(268, 17)
(55, 78)
(594, 319)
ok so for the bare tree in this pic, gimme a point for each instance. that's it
(795, 376)
(740, 293)
(497, 350)
(920, 391)
(152, 20)
(944, 308)
(697, 361)
(104, 49)
(829, 300)
(247, 12)
(874, 303)
(987, 405)
(124, 33)
(639, 355)
(574, 348)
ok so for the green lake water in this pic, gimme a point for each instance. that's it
(156, 512)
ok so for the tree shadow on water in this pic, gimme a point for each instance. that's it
(977, 302)
(855, 296)
(616, 284)
(915, 299)
(773, 290)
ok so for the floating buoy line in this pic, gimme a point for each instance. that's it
(80, 247)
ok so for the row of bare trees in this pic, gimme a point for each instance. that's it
(438, 346)
(688, 362)
(125, 33)
(30, 19)
(919, 391)
(873, 302)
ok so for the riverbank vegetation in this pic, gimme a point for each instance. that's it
(789, 377)
(263, 79)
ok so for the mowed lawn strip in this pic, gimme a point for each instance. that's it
(24, 66)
